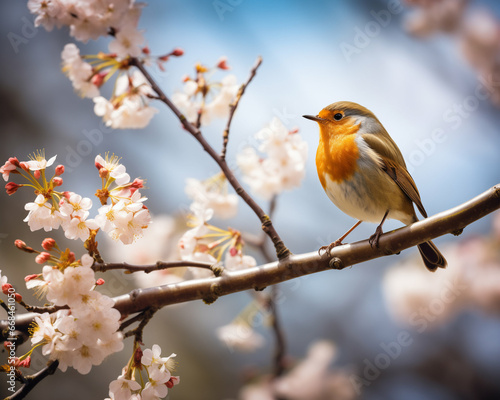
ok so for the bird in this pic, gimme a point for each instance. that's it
(364, 174)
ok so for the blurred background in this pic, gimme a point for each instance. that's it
(428, 69)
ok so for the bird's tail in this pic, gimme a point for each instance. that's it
(432, 257)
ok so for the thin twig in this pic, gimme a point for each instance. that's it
(282, 251)
(32, 380)
(130, 321)
(145, 318)
(41, 309)
(234, 105)
(279, 335)
(4, 306)
(295, 266)
(160, 265)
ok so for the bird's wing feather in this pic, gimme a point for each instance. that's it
(393, 164)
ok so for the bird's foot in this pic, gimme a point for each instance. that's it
(375, 237)
(328, 249)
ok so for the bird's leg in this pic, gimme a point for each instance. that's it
(338, 242)
(376, 236)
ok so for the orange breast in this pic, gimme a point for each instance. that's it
(337, 155)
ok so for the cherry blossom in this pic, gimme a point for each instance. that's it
(211, 99)
(129, 106)
(112, 166)
(284, 166)
(39, 162)
(213, 193)
(79, 72)
(121, 388)
(42, 215)
(86, 19)
(8, 167)
(240, 336)
(127, 42)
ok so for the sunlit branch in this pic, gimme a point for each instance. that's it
(160, 265)
(234, 105)
(282, 251)
(295, 266)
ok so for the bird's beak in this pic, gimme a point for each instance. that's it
(315, 118)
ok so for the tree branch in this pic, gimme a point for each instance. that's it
(282, 251)
(295, 266)
(234, 105)
(160, 265)
(32, 380)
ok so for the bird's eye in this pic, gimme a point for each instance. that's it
(337, 117)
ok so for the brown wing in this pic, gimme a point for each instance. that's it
(405, 182)
(384, 146)
(393, 163)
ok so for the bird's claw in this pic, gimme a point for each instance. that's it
(375, 237)
(328, 249)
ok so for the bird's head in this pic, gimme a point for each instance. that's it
(345, 117)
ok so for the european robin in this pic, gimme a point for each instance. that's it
(364, 174)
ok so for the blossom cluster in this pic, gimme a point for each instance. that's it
(87, 332)
(128, 106)
(283, 168)
(433, 16)
(201, 99)
(159, 372)
(124, 219)
(213, 193)
(309, 379)
(207, 243)
(415, 299)
(92, 19)
(476, 31)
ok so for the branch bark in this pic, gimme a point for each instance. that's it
(295, 266)
(33, 380)
(282, 251)
(234, 105)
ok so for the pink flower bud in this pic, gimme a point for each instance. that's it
(163, 58)
(177, 52)
(42, 258)
(98, 79)
(14, 161)
(67, 195)
(48, 244)
(137, 357)
(20, 244)
(145, 50)
(6, 287)
(222, 63)
(71, 257)
(233, 251)
(37, 174)
(103, 173)
(99, 282)
(25, 363)
(59, 170)
(12, 187)
(137, 183)
(30, 277)
(18, 297)
(7, 345)
(57, 181)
